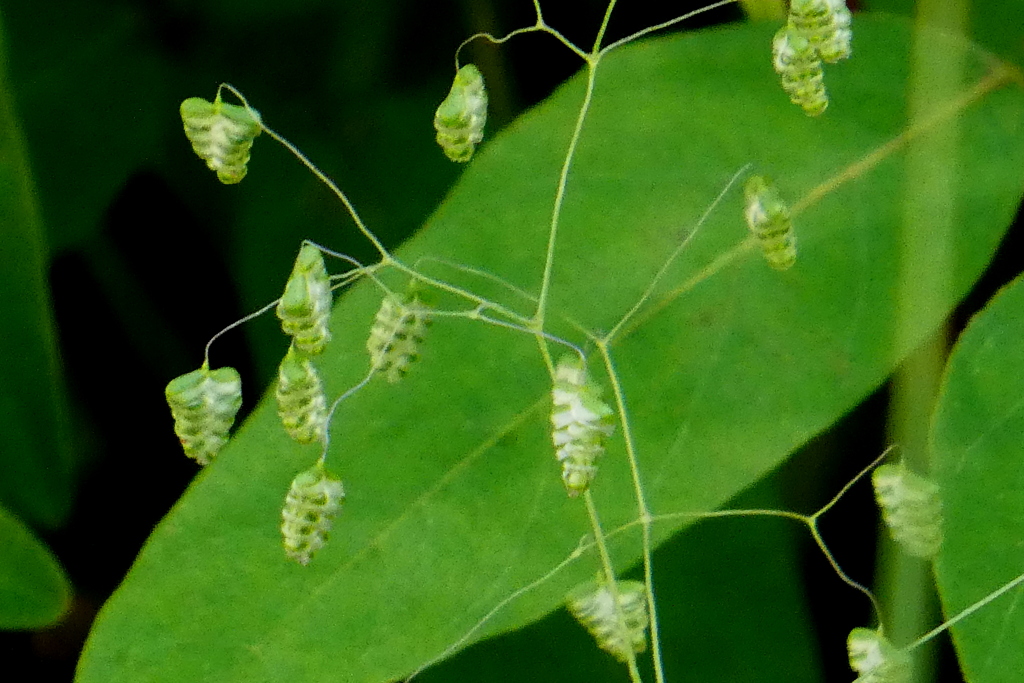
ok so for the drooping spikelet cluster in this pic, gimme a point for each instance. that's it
(301, 404)
(815, 31)
(306, 303)
(582, 423)
(911, 509)
(221, 134)
(768, 219)
(460, 119)
(315, 495)
(622, 632)
(204, 403)
(398, 330)
(313, 500)
(876, 660)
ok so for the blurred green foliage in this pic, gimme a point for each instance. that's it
(977, 441)
(34, 591)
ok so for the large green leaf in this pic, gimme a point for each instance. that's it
(726, 584)
(35, 454)
(454, 495)
(33, 589)
(977, 459)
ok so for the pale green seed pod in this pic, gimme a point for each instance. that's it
(876, 660)
(911, 509)
(768, 219)
(204, 404)
(593, 605)
(300, 398)
(825, 24)
(837, 45)
(305, 306)
(221, 134)
(313, 500)
(460, 119)
(398, 330)
(799, 69)
(811, 18)
(581, 423)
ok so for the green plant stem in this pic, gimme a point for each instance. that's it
(457, 291)
(609, 578)
(643, 512)
(556, 213)
(604, 28)
(927, 235)
(671, 259)
(665, 24)
(966, 612)
(377, 244)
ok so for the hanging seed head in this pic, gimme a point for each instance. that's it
(300, 398)
(313, 500)
(825, 24)
(621, 632)
(911, 509)
(876, 659)
(460, 119)
(582, 423)
(397, 332)
(204, 403)
(221, 134)
(799, 68)
(768, 219)
(306, 304)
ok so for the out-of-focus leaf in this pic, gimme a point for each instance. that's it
(86, 78)
(978, 439)
(994, 24)
(454, 495)
(34, 591)
(35, 453)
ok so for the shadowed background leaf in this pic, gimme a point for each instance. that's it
(34, 591)
(35, 451)
(977, 446)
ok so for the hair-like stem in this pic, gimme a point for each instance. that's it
(608, 569)
(556, 212)
(316, 171)
(643, 512)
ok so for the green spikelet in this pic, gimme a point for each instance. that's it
(768, 219)
(799, 68)
(876, 659)
(826, 24)
(300, 398)
(306, 304)
(593, 605)
(581, 423)
(221, 134)
(397, 332)
(204, 403)
(911, 509)
(313, 500)
(460, 119)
